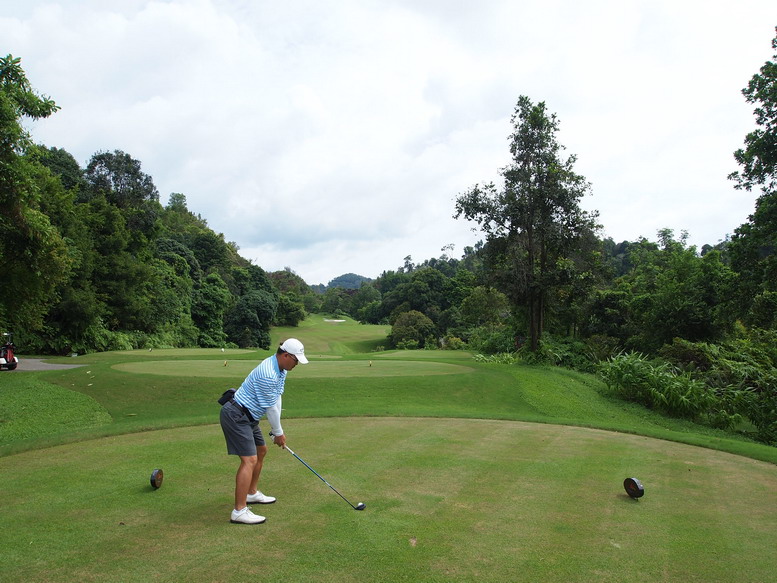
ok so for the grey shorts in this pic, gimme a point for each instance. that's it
(242, 435)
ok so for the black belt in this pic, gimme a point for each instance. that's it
(245, 411)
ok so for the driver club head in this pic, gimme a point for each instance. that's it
(359, 506)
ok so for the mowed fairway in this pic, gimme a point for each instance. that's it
(447, 500)
(459, 484)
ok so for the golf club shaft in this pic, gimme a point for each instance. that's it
(319, 475)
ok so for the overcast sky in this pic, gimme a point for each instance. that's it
(333, 136)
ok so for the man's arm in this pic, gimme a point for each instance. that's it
(274, 417)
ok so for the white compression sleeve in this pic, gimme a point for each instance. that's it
(274, 417)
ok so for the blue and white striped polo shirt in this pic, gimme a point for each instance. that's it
(262, 387)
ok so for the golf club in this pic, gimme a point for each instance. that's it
(359, 506)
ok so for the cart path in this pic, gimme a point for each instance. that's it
(37, 364)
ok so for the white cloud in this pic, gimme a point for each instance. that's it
(333, 136)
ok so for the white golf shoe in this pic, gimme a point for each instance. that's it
(259, 498)
(245, 516)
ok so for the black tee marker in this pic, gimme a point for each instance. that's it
(634, 487)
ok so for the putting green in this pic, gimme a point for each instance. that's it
(157, 352)
(316, 369)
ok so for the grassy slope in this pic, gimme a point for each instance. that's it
(143, 390)
(31, 408)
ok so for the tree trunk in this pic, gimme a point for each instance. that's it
(535, 321)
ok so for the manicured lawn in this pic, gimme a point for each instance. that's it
(447, 500)
(470, 472)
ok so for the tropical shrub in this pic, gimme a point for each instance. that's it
(453, 343)
(741, 372)
(658, 385)
(492, 339)
(500, 358)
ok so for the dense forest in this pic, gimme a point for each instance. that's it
(92, 261)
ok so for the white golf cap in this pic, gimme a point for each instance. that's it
(294, 346)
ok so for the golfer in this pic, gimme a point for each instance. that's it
(259, 395)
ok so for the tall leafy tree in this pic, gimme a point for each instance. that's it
(677, 293)
(123, 282)
(255, 278)
(367, 294)
(753, 250)
(288, 282)
(210, 249)
(248, 322)
(389, 281)
(171, 288)
(534, 223)
(210, 303)
(291, 310)
(759, 156)
(178, 222)
(64, 165)
(34, 255)
(671, 292)
(336, 301)
(74, 321)
(484, 305)
(412, 329)
(118, 177)
(171, 250)
(426, 290)
(753, 247)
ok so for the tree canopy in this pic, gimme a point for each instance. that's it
(35, 257)
(753, 247)
(758, 158)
